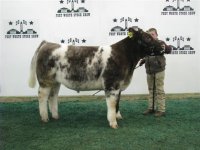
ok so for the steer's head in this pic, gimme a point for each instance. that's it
(146, 44)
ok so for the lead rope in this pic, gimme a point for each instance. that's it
(96, 92)
(154, 91)
(101, 90)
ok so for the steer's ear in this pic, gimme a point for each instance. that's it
(132, 31)
(135, 28)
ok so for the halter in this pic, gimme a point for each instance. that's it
(148, 49)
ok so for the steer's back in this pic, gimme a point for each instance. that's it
(77, 67)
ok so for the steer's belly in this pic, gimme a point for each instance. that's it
(79, 85)
(82, 86)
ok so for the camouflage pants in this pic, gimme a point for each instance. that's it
(159, 94)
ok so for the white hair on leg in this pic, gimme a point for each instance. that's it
(111, 106)
(53, 102)
(111, 114)
(43, 98)
(53, 107)
(50, 104)
(118, 115)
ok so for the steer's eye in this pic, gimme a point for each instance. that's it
(148, 39)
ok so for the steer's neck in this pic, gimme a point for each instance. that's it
(128, 48)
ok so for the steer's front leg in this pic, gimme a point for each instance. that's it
(111, 100)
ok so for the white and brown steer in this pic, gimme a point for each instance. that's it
(84, 68)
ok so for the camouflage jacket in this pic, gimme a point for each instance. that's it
(155, 64)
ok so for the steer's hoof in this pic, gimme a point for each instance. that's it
(44, 120)
(114, 126)
(56, 117)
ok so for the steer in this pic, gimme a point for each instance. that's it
(84, 68)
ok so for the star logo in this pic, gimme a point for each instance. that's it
(188, 39)
(10, 23)
(31, 22)
(115, 20)
(136, 19)
(62, 41)
(167, 39)
(83, 40)
(61, 1)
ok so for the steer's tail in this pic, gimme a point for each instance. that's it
(32, 77)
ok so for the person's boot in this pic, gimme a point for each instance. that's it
(148, 111)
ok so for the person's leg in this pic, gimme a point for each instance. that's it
(150, 82)
(160, 93)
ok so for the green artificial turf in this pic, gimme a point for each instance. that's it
(83, 125)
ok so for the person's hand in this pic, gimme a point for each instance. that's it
(163, 46)
(168, 49)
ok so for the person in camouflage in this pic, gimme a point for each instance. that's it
(155, 69)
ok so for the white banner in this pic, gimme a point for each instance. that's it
(25, 23)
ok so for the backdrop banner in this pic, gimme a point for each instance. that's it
(25, 23)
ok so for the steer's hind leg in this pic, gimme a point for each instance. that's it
(118, 115)
(111, 100)
(43, 95)
(53, 101)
